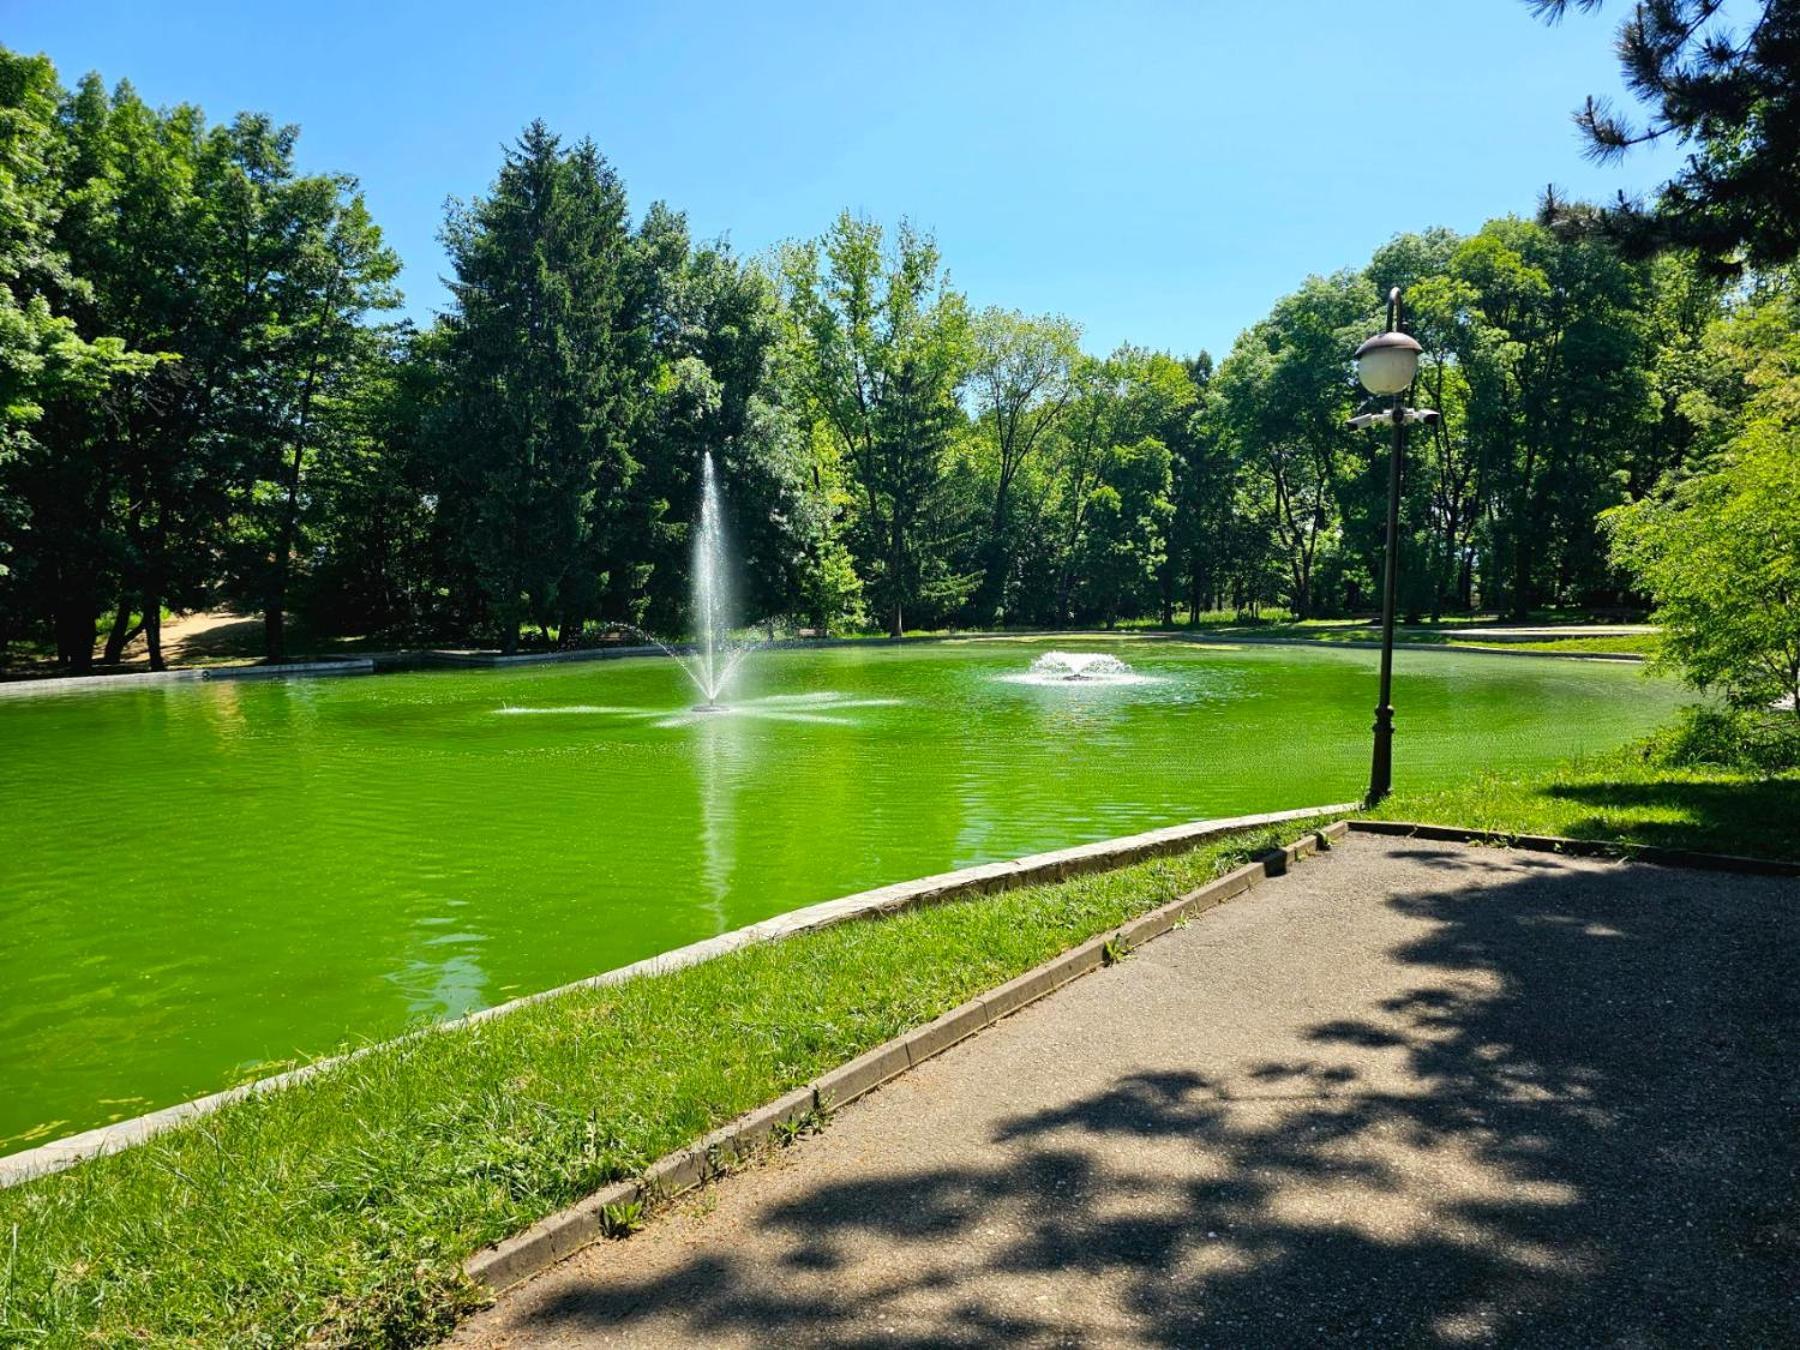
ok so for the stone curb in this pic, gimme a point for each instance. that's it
(349, 665)
(1583, 848)
(426, 657)
(861, 1075)
(69, 684)
(554, 1239)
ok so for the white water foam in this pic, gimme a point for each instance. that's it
(1079, 669)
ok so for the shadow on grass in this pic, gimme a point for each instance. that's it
(1564, 1114)
(1759, 817)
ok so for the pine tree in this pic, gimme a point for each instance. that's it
(547, 364)
(1731, 94)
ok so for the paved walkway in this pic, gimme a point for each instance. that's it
(1410, 1093)
(1521, 632)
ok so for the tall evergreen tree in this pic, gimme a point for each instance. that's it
(1723, 81)
(547, 363)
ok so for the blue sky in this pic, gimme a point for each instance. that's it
(1159, 172)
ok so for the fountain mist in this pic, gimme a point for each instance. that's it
(711, 595)
(1079, 668)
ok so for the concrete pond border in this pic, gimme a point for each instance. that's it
(1583, 848)
(987, 878)
(561, 1235)
(30, 686)
(479, 659)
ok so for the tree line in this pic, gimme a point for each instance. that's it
(204, 400)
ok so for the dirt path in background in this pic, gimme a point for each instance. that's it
(1408, 1093)
(207, 635)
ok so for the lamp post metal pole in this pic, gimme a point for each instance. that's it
(1381, 769)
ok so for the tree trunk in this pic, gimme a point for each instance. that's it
(75, 635)
(153, 629)
(122, 633)
(897, 554)
(993, 587)
(1521, 596)
(275, 628)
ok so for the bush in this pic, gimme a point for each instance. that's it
(1733, 738)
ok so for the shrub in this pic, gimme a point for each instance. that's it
(1706, 734)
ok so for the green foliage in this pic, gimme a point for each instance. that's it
(1720, 553)
(880, 348)
(1719, 80)
(623, 1219)
(547, 356)
(1730, 738)
(1023, 386)
(201, 407)
(1288, 389)
(1719, 550)
(1124, 527)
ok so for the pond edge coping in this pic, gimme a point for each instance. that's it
(982, 879)
(28, 686)
(553, 1239)
(427, 658)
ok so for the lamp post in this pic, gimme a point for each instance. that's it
(1386, 365)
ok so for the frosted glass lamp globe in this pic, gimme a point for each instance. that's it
(1387, 362)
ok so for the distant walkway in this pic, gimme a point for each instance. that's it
(214, 637)
(1502, 632)
(1410, 1093)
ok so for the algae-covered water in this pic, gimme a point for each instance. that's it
(199, 882)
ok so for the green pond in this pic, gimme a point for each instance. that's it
(201, 882)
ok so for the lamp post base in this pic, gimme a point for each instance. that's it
(1381, 769)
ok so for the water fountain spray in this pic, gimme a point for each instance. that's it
(713, 657)
(710, 600)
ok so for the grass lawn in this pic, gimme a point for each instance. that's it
(1626, 796)
(340, 1211)
(1450, 633)
(1630, 644)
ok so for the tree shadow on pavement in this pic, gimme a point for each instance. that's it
(1577, 1124)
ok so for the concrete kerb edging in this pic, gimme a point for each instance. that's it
(1582, 848)
(25, 688)
(982, 880)
(559, 1236)
(1499, 646)
(438, 656)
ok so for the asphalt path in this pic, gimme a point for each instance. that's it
(1409, 1093)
